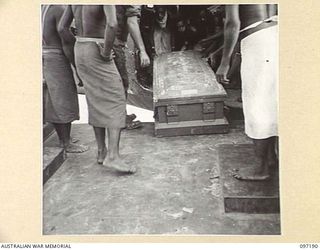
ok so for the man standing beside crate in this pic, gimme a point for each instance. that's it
(258, 34)
(61, 107)
(105, 94)
(127, 18)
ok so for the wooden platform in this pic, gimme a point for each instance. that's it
(246, 196)
(175, 190)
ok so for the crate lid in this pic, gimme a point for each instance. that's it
(184, 75)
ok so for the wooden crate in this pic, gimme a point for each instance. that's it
(187, 98)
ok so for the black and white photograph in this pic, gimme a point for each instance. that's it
(160, 119)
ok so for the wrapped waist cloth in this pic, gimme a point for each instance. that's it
(89, 39)
(259, 74)
(103, 85)
(62, 99)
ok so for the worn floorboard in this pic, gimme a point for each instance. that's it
(176, 190)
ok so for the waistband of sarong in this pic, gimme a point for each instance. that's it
(90, 39)
(52, 49)
(272, 21)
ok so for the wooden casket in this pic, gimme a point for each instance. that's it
(187, 99)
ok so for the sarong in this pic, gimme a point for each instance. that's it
(259, 73)
(102, 84)
(120, 61)
(62, 100)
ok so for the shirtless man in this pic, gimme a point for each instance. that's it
(62, 100)
(259, 72)
(97, 26)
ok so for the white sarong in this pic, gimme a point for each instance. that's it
(259, 73)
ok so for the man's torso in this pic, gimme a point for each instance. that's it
(252, 13)
(255, 17)
(90, 20)
(50, 19)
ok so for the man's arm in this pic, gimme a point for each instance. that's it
(231, 34)
(67, 38)
(134, 30)
(110, 31)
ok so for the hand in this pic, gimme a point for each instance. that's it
(106, 56)
(221, 74)
(144, 59)
(184, 47)
(80, 83)
(198, 48)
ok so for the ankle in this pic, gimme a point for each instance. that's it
(101, 149)
(66, 144)
(113, 156)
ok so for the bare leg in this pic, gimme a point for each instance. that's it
(261, 171)
(100, 134)
(113, 158)
(63, 131)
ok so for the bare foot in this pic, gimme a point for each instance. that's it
(101, 155)
(119, 165)
(76, 148)
(250, 174)
(74, 140)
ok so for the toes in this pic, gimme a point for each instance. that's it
(84, 149)
(265, 177)
(127, 169)
(237, 176)
(76, 148)
(133, 170)
(234, 171)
